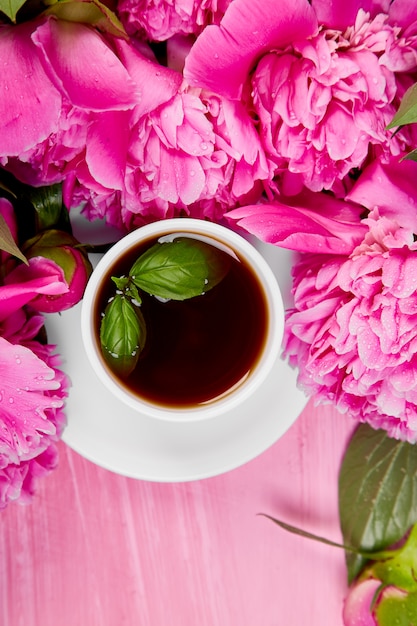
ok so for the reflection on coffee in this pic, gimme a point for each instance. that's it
(197, 349)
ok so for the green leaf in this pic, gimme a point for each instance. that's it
(11, 7)
(91, 12)
(303, 533)
(7, 242)
(377, 493)
(411, 156)
(407, 111)
(180, 269)
(122, 335)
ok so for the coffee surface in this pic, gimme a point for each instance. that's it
(196, 349)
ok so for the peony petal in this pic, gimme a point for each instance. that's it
(341, 135)
(364, 597)
(29, 103)
(82, 64)
(223, 55)
(323, 228)
(7, 212)
(391, 188)
(24, 380)
(341, 14)
(155, 83)
(186, 177)
(403, 13)
(106, 149)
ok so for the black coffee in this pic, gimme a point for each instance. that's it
(196, 349)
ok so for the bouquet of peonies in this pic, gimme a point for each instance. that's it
(289, 121)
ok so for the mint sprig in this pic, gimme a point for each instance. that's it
(178, 269)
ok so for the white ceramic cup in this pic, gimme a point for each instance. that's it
(224, 238)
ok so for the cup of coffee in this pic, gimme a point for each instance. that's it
(207, 311)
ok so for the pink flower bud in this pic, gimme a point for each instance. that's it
(60, 248)
(366, 600)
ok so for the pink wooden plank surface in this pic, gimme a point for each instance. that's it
(98, 549)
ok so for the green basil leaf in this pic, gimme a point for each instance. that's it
(180, 269)
(121, 282)
(133, 293)
(7, 243)
(125, 285)
(407, 111)
(122, 335)
(377, 493)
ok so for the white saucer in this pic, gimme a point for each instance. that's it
(114, 436)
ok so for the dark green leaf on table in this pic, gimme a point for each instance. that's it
(122, 335)
(180, 269)
(7, 243)
(377, 493)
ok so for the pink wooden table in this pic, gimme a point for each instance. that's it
(98, 549)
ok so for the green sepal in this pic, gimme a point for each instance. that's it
(50, 211)
(397, 610)
(400, 567)
(92, 12)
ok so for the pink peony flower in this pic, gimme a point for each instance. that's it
(32, 394)
(52, 94)
(126, 137)
(159, 20)
(188, 152)
(324, 79)
(352, 331)
(32, 387)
